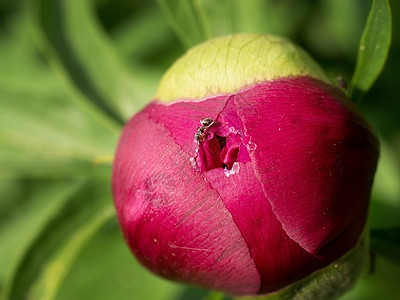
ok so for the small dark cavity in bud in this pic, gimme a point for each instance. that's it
(222, 145)
(214, 151)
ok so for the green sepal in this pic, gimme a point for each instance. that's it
(328, 283)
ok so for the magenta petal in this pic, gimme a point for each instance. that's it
(315, 160)
(279, 260)
(173, 221)
(209, 156)
(229, 157)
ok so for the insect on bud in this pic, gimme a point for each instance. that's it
(273, 188)
(206, 122)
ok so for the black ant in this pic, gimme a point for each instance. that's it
(206, 123)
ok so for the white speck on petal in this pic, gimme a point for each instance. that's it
(234, 170)
(251, 146)
(194, 163)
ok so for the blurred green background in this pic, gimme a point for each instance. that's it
(73, 71)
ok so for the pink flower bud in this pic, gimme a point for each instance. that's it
(247, 173)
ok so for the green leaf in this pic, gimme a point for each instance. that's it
(25, 206)
(19, 60)
(185, 20)
(44, 133)
(151, 29)
(214, 296)
(385, 197)
(43, 267)
(107, 270)
(381, 283)
(334, 27)
(386, 242)
(329, 282)
(374, 48)
(195, 21)
(69, 35)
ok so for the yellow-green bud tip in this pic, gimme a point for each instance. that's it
(230, 63)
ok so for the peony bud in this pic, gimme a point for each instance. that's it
(248, 172)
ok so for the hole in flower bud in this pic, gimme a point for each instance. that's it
(218, 147)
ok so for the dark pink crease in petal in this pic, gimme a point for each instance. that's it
(279, 260)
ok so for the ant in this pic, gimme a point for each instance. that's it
(206, 123)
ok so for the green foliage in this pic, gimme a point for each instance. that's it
(107, 270)
(374, 47)
(214, 296)
(195, 21)
(37, 140)
(45, 128)
(329, 282)
(26, 205)
(89, 62)
(50, 256)
(386, 242)
(73, 71)
(378, 282)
